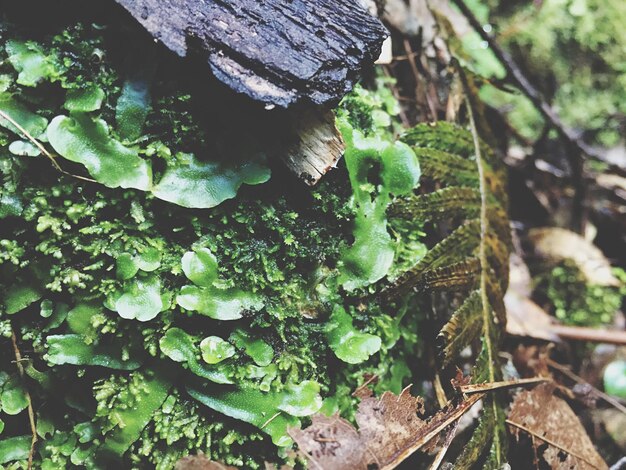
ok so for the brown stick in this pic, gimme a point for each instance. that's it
(577, 147)
(31, 412)
(594, 335)
(606, 397)
(486, 387)
(444, 448)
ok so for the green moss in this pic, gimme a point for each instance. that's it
(580, 65)
(159, 328)
(577, 303)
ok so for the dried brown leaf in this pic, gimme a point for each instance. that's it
(389, 431)
(558, 244)
(200, 462)
(525, 318)
(569, 446)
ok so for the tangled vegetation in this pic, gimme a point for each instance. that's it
(162, 315)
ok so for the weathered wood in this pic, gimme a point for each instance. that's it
(316, 145)
(276, 51)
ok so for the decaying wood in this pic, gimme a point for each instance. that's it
(276, 51)
(316, 146)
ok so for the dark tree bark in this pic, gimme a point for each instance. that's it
(276, 51)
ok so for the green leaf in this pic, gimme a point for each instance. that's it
(84, 100)
(301, 399)
(220, 304)
(22, 148)
(84, 139)
(371, 255)
(200, 267)
(72, 349)
(149, 259)
(190, 182)
(79, 318)
(214, 349)
(260, 352)
(349, 344)
(179, 347)
(615, 379)
(132, 109)
(141, 299)
(126, 266)
(10, 205)
(34, 124)
(13, 397)
(251, 406)
(18, 297)
(14, 448)
(155, 388)
(32, 64)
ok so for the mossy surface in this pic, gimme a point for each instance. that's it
(181, 303)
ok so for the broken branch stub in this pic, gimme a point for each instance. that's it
(277, 51)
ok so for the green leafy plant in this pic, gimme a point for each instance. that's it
(190, 302)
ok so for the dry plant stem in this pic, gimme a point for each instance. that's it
(481, 388)
(446, 445)
(577, 148)
(41, 148)
(484, 263)
(590, 334)
(440, 392)
(31, 412)
(416, 76)
(608, 398)
(550, 442)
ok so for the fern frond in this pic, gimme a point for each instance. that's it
(447, 168)
(463, 328)
(441, 204)
(472, 259)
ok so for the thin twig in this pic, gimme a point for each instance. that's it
(41, 148)
(31, 412)
(444, 448)
(481, 388)
(416, 76)
(403, 117)
(551, 442)
(608, 398)
(578, 147)
(594, 335)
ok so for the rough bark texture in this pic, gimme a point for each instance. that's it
(276, 51)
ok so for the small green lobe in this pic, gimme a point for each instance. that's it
(215, 349)
(30, 63)
(141, 299)
(14, 448)
(200, 267)
(86, 140)
(72, 349)
(84, 100)
(196, 184)
(349, 344)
